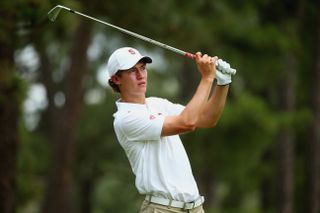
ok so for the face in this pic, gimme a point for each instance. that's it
(132, 82)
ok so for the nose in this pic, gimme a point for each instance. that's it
(140, 73)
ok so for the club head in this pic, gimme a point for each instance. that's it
(54, 12)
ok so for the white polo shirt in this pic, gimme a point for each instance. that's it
(160, 164)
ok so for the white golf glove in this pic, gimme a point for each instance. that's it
(223, 73)
(223, 79)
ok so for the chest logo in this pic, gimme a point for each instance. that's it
(151, 117)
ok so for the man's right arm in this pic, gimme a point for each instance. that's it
(189, 117)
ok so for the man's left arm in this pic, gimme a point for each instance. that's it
(214, 107)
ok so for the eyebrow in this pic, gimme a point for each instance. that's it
(143, 65)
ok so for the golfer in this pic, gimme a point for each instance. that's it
(148, 129)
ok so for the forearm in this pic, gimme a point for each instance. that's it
(213, 107)
(192, 113)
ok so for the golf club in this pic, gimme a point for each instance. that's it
(221, 66)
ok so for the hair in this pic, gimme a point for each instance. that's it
(114, 86)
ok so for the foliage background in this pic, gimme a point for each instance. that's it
(245, 164)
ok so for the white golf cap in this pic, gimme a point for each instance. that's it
(125, 58)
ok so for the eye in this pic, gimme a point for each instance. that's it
(143, 68)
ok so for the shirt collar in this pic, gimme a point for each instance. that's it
(130, 106)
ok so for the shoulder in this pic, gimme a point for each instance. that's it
(130, 119)
(129, 113)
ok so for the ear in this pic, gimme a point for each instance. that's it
(115, 79)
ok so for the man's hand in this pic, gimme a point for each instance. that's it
(223, 78)
(206, 65)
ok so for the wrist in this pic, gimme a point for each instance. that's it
(223, 82)
(209, 79)
(223, 85)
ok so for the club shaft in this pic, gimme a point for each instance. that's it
(144, 38)
(55, 12)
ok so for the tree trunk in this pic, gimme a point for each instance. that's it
(59, 196)
(209, 187)
(9, 112)
(267, 185)
(285, 146)
(313, 167)
(86, 192)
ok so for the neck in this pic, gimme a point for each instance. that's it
(133, 99)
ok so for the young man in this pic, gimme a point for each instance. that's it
(148, 129)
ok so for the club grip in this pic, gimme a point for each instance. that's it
(189, 55)
(229, 70)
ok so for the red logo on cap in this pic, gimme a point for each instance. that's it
(131, 51)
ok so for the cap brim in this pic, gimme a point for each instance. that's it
(146, 59)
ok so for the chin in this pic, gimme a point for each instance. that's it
(143, 88)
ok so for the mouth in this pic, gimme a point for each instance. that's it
(142, 84)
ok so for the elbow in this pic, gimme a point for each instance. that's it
(190, 125)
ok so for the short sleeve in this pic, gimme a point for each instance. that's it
(173, 108)
(140, 125)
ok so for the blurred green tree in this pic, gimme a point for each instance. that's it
(73, 144)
